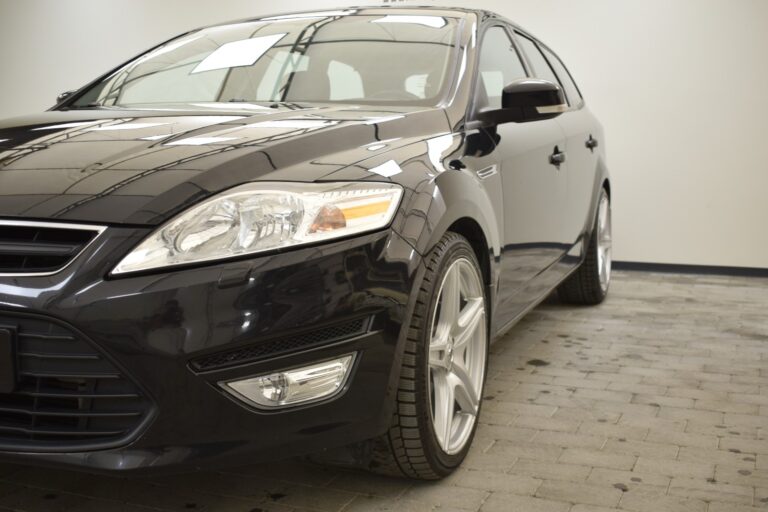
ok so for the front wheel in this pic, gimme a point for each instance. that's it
(443, 369)
(589, 283)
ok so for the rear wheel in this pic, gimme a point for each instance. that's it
(443, 369)
(589, 283)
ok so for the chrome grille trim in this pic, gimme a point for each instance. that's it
(98, 230)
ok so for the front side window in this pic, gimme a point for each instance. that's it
(571, 91)
(540, 66)
(498, 66)
(389, 59)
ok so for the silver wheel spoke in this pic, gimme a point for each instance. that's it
(465, 392)
(451, 299)
(469, 320)
(604, 242)
(444, 407)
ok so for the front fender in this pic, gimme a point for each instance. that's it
(602, 179)
(458, 195)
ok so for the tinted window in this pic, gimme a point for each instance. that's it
(498, 66)
(541, 68)
(571, 91)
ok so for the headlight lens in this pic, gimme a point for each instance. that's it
(259, 217)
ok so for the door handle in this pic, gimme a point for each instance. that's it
(591, 143)
(557, 158)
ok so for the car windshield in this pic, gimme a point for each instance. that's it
(324, 57)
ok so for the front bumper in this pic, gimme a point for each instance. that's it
(176, 335)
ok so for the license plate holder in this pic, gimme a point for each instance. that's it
(7, 360)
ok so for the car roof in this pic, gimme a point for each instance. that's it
(460, 12)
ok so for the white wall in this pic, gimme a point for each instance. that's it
(681, 87)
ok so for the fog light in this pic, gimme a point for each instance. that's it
(295, 386)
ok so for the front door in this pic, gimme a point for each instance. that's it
(533, 185)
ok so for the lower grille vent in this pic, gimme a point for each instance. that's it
(67, 396)
(284, 345)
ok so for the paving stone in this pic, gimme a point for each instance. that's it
(644, 389)
(588, 494)
(551, 470)
(671, 401)
(745, 445)
(682, 438)
(615, 431)
(528, 451)
(630, 479)
(524, 409)
(709, 490)
(724, 457)
(568, 440)
(591, 508)
(673, 468)
(435, 494)
(680, 413)
(757, 478)
(498, 482)
(651, 422)
(644, 500)
(720, 506)
(727, 406)
(505, 432)
(367, 503)
(502, 502)
(555, 424)
(642, 448)
(597, 458)
(747, 420)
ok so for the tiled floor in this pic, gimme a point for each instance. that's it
(655, 401)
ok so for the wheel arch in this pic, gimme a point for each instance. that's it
(471, 230)
(602, 181)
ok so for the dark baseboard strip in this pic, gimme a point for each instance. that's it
(671, 268)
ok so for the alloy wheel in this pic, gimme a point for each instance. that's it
(457, 353)
(604, 242)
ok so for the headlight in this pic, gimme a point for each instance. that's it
(258, 217)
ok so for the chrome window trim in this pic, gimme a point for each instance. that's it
(52, 225)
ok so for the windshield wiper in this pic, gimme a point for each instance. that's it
(88, 106)
(287, 104)
(274, 104)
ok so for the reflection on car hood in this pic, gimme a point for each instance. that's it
(141, 167)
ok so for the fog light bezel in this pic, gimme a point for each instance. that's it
(335, 394)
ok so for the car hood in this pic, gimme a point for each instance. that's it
(141, 167)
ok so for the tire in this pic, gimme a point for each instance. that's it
(412, 446)
(588, 285)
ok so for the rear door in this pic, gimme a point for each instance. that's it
(581, 133)
(534, 190)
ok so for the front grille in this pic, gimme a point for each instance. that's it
(283, 345)
(67, 396)
(41, 247)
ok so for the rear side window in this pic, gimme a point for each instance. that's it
(571, 91)
(499, 65)
(540, 66)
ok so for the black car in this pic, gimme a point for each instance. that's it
(289, 235)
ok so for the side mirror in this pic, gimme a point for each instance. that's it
(63, 96)
(526, 100)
